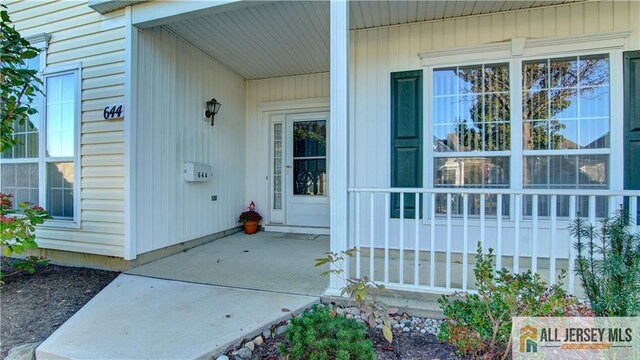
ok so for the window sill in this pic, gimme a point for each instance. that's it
(60, 224)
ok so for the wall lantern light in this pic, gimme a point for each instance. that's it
(213, 106)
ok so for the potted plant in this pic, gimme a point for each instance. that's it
(250, 219)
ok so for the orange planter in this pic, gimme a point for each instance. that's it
(251, 227)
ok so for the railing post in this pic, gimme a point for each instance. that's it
(401, 265)
(386, 236)
(465, 238)
(572, 250)
(432, 245)
(338, 169)
(416, 239)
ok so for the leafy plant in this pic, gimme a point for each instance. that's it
(364, 292)
(608, 264)
(480, 324)
(18, 229)
(27, 264)
(320, 334)
(19, 84)
(250, 215)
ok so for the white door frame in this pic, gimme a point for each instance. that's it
(274, 112)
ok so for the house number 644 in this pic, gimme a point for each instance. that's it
(112, 112)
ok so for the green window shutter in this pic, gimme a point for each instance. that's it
(406, 137)
(632, 122)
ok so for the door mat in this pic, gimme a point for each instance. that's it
(297, 236)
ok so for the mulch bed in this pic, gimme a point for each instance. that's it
(32, 307)
(405, 346)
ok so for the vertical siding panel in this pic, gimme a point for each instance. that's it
(549, 22)
(563, 21)
(437, 35)
(425, 43)
(510, 25)
(403, 47)
(414, 43)
(449, 29)
(383, 98)
(606, 16)
(497, 29)
(634, 9)
(473, 30)
(172, 131)
(621, 14)
(522, 27)
(484, 32)
(179, 153)
(577, 19)
(591, 18)
(460, 26)
(535, 23)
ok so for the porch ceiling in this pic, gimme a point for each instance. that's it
(283, 38)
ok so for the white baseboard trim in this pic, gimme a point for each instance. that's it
(296, 229)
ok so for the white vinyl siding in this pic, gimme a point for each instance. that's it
(175, 79)
(79, 35)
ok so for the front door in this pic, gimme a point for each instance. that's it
(307, 197)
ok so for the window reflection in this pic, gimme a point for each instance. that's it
(309, 157)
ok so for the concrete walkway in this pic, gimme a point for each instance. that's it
(194, 304)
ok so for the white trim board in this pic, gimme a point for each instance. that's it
(293, 105)
(297, 229)
(275, 112)
(522, 46)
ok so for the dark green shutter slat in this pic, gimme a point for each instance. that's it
(406, 137)
(632, 122)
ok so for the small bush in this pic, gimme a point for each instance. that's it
(608, 264)
(364, 292)
(480, 324)
(18, 232)
(321, 334)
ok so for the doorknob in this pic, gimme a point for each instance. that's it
(289, 166)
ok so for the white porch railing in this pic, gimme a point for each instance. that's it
(434, 252)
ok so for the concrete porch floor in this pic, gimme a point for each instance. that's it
(195, 304)
(276, 262)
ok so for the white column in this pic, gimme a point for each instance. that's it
(338, 132)
(130, 108)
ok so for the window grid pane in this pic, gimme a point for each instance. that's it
(277, 166)
(566, 103)
(566, 107)
(61, 115)
(21, 180)
(471, 108)
(471, 113)
(60, 177)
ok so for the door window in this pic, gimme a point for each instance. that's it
(310, 157)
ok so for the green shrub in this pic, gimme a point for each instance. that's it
(608, 264)
(480, 324)
(363, 292)
(17, 232)
(321, 334)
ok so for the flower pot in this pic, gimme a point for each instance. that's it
(251, 227)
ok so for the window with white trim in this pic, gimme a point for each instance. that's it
(565, 126)
(42, 167)
(471, 131)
